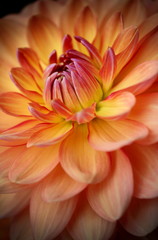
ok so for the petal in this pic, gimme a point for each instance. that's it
(21, 227)
(13, 203)
(58, 186)
(51, 134)
(86, 25)
(148, 25)
(139, 79)
(111, 135)
(81, 161)
(145, 165)
(87, 225)
(111, 197)
(32, 164)
(141, 216)
(14, 104)
(116, 106)
(146, 111)
(49, 219)
(43, 37)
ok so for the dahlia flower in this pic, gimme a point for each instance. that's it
(79, 119)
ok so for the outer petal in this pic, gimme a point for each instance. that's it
(32, 164)
(49, 219)
(58, 186)
(141, 217)
(50, 134)
(148, 25)
(86, 224)
(81, 161)
(145, 164)
(111, 135)
(139, 79)
(43, 37)
(111, 197)
(146, 111)
(13, 203)
(116, 106)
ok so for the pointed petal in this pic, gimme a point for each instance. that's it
(13, 203)
(111, 135)
(67, 43)
(141, 216)
(111, 197)
(51, 134)
(146, 111)
(32, 164)
(86, 25)
(61, 109)
(81, 161)
(116, 106)
(139, 79)
(58, 186)
(14, 104)
(86, 224)
(145, 165)
(47, 218)
(43, 36)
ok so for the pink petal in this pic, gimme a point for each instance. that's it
(32, 164)
(111, 135)
(111, 197)
(141, 216)
(116, 106)
(145, 165)
(87, 225)
(80, 160)
(49, 219)
(58, 186)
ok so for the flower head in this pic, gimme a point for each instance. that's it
(79, 125)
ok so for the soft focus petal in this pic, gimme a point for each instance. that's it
(111, 197)
(32, 164)
(49, 219)
(86, 224)
(81, 161)
(58, 186)
(145, 164)
(111, 135)
(141, 216)
(149, 24)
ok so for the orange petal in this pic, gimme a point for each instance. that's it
(86, 25)
(49, 219)
(111, 135)
(81, 161)
(108, 69)
(139, 79)
(148, 25)
(111, 197)
(137, 9)
(21, 227)
(13, 203)
(50, 134)
(32, 164)
(116, 106)
(145, 165)
(146, 111)
(61, 109)
(58, 186)
(141, 216)
(14, 104)
(110, 29)
(44, 36)
(87, 225)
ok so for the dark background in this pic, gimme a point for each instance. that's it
(15, 6)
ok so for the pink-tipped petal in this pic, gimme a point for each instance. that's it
(49, 219)
(111, 197)
(145, 164)
(116, 106)
(67, 43)
(61, 109)
(141, 217)
(81, 161)
(111, 135)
